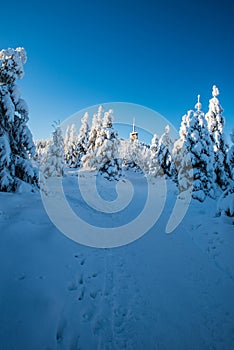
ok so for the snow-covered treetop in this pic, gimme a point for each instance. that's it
(108, 119)
(97, 119)
(232, 135)
(198, 105)
(11, 65)
(154, 140)
(214, 105)
(167, 129)
(215, 91)
(214, 116)
(84, 128)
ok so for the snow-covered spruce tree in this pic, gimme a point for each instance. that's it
(164, 154)
(87, 161)
(106, 149)
(53, 161)
(41, 149)
(231, 156)
(135, 156)
(16, 144)
(154, 146)
(195, 148)
(151, 165)
(216, 122)
(82, 139)
(226, 201)
(182, 156)
(70, 147)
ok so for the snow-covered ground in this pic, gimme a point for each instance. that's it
(161, 292)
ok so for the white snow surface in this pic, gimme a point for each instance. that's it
(162, 292)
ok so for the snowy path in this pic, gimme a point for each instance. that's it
(162, 292)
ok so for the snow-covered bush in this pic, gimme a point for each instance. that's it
(16, 144)
(216, 123)
(226, 203)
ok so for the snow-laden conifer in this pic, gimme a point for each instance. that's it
(70, 147)
(88, 159)
(230, 157)
(216, 123)
(41, 149)
(53, 161)
(103, 146)
(16, 144)
(83, 139)
(135, 156)
(225, 204)
(193, 155)
(164, 153)
(151, 155)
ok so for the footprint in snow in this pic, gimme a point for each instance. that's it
(80, 296)
(80, 258)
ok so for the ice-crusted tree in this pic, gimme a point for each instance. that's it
(83, 138)
(164, 153)
(53, 161)
(195, 149)
(16, 144)
(216, 123)
(70, 147)
(105, 152)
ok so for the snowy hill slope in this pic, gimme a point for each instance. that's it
(162, 292)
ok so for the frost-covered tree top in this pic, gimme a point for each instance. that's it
(98, 119)
(215, 91)
(108, 119)
(84, 128)
(154, 143)
(214, 116)
(232, 136)
(11, 63)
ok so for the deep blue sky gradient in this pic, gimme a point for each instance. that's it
(159, 54)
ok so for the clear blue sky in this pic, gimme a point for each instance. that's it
(159, 54)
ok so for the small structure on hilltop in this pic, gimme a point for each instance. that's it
(134, 133)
